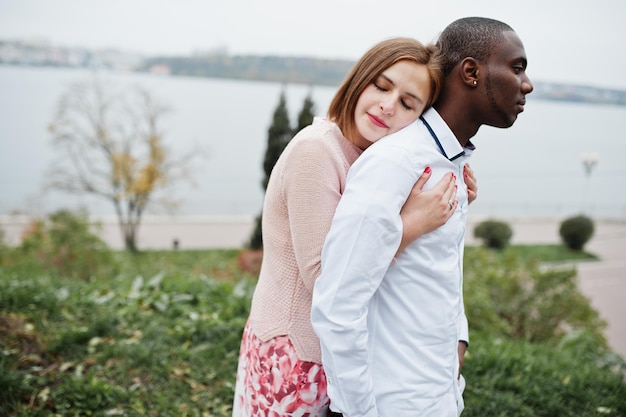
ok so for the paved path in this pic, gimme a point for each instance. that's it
(603, 282)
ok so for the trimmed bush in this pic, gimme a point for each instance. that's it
(576, 231)
(494, 234)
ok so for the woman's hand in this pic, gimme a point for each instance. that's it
(470, 182)
(425, 211)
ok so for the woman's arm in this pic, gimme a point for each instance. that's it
(311, 191)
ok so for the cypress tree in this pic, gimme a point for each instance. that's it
(278, 136)
(305, 117)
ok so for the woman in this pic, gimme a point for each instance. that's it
(279, 371)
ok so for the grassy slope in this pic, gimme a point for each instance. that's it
(162, 338)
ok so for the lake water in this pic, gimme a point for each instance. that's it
(532, 170)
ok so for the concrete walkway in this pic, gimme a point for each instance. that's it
(603, 282)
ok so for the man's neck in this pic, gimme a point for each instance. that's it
(458, 120)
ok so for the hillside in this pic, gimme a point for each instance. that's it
(312, 71)
(288, 70)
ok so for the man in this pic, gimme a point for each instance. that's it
(392, 328)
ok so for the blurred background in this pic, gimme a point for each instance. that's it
(220, 69)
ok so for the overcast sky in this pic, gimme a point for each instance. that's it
(577, 41)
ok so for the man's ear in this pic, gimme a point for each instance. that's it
(469, 71)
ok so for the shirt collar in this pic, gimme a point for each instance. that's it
(442, 134)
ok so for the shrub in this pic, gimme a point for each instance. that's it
(64, 243)
(495, 234)
(3, 247)
(519, 300)
(576, 232)
(168, 345)
(521, 379)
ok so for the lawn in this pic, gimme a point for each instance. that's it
(157, 334)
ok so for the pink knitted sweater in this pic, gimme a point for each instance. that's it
(301, 197)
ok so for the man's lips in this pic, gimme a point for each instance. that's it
(377, 121)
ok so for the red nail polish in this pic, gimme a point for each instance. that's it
(427, 170)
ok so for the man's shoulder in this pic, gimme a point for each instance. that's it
(413, 130)
(410, 137)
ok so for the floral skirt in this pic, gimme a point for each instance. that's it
(273, 382)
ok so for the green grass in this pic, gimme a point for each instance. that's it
(161, 338)
(216, 263)
(542, 253)
(516, 378)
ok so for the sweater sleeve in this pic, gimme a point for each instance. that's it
(312, 185)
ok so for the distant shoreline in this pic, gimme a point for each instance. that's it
(571, 93)
(270, 68)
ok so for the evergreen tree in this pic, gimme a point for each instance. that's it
(305, 117)
(256, 240)
(278, 136)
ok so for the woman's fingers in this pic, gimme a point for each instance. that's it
(422, 179)
(426, 210)
(448, 189)
(470, 182)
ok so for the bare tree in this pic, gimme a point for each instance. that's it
(114, 144)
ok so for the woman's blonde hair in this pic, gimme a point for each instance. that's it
(376, 60)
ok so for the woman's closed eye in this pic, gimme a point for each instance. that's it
(404, 101)
(379, 87)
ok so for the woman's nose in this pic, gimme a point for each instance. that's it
(387, 108)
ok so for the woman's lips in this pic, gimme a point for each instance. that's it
(377, 121)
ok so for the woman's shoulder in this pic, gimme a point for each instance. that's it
(321, 130)
(319, 137)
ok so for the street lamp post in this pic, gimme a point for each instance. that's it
(589, 160)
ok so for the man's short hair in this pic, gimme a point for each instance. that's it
(469, 37)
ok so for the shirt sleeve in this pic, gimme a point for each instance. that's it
(464, 329)
(364, 236)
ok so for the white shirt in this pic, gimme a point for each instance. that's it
(389, 331)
